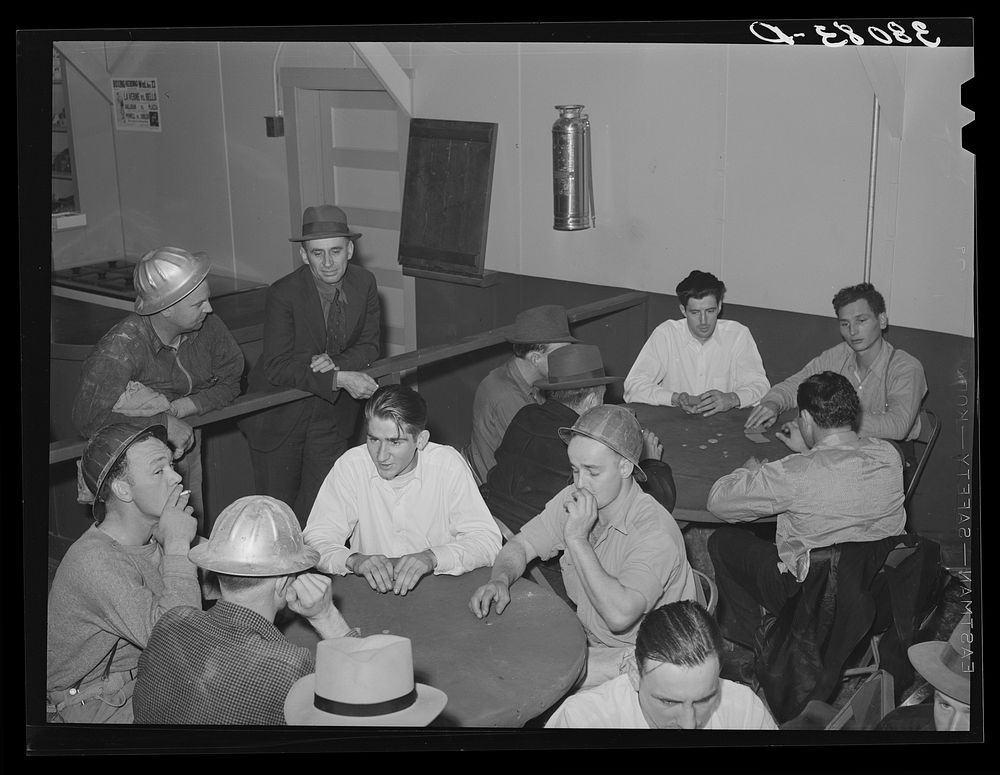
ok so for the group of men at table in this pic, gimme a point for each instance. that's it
(567, 476)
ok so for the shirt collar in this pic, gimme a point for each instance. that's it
(155, 342)
(882, 356)
(242, 616)
(515, 374)
(417, 472)
(841, 439)
(617, 513)
(690, 340)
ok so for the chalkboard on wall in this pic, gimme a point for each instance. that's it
(446, 198)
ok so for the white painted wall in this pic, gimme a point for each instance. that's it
(751, 161)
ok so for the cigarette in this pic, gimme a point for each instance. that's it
(185, 492)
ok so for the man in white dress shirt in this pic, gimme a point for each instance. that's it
(702, 364)
(674, 683)
(407, 506)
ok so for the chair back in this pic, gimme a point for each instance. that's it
(930, 428)
(869, 704)
(707, 592)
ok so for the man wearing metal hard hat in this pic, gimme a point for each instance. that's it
(118, 578)
(623, 554)
(169, 360)
(321, 330)
(230, 664)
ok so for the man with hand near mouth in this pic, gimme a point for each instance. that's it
(701, 364)
(407, 506)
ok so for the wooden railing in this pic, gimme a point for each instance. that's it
(385, 371)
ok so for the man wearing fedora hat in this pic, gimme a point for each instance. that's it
(321, 329)
(622, 552)
(230, 664)
(532, 465)
(947, 666)
(535, 333)
(171, 359)
(120, 576)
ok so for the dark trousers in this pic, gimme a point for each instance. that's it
(295, 470)
(746, 572)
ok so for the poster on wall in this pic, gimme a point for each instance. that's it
(137, 104)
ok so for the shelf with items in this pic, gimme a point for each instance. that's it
(65, 193)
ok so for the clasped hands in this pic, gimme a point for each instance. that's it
(708, 403)
(400, 575)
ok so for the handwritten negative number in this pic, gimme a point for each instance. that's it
(898, 34)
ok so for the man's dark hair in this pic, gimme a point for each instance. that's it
(403, 405)
(236, 584)
(571, 397)
(681, 633)
(522, 350)
(698, 285)
(853, 293)
(831, 400)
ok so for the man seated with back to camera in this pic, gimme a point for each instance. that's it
(400, 506)
(673, 683)
(837, 487)
(532, 464)
(622, 552)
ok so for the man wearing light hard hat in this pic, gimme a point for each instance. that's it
(170, 360)
(230, 664)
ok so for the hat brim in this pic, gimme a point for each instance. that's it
(300, 710)
(326, 235)
(567, 433)
(544, 340)
(570, 384)
(203, 556)
(926, 660)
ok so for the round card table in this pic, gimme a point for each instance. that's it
(500, 671)
(700, 450)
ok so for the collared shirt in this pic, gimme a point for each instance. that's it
(228, 665)
(498, 398)
(206, 366)
(615, 705)
(105, 593)
(674, 361)
(636, 541)
(845, 488)
(890, 393)
(436, 506)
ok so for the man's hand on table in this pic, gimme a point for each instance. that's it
(581, 506)
(762, 416)
(410, 568)
(488, 593)
(180, 435)
(377, 570)
(651, 446)
(357, 383)
(791, 436)
(712, 401)
(686, 402)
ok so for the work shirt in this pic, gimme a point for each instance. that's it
(435, 506)
(615, 705)
(498, 398)
(846, 488)
(636, 541)
(227, 665)
(890, 393)
(206, 366)
(105, 593)
(674, 361)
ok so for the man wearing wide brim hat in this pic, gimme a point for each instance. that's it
(363, 682)
(321, 331)
(948, 667)
(532, 465)
(230, 664)
(115, 580)
(171, 359)
(534, 334)
(622, 552)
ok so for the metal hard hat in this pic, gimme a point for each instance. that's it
(614, 426)
(255, 536)
(105, 449)
(165, 276)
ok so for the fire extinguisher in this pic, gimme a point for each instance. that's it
(572, 184)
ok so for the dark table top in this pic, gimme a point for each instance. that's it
(500, 671)
(700, 450)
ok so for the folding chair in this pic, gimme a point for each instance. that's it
(930, 428)
(869, 704)
(536, 574)
(708, 593)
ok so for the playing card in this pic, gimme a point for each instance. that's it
(758, 438)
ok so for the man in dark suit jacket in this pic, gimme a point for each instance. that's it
(321, 328)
